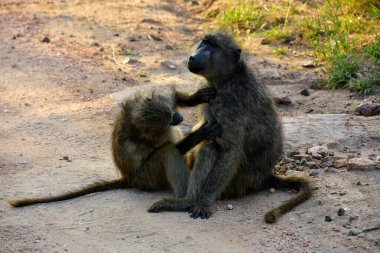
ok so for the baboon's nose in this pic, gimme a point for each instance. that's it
(191, 59)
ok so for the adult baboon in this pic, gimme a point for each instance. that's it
(147, 147)
(241, 160)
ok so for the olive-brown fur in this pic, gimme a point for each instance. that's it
(147, 149)
(242, 159)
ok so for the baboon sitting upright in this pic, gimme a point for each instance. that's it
(241, 160)
(147, 147)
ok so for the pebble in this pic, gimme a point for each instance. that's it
(303, 156)
(339, 163)
(265, 41)
(353, 232)
(322, 150)
(282, 100)
(230, 207)
(292, 172)
(368, 109)
(317, 155)
(328, 218)
(305, 92)
(308, 64)
(168, 64)
(45, 39)
(314, 173)
(289, 154)
(272, 190)
(326, 164)
(312, 165)
(364, 164)
(341, 211)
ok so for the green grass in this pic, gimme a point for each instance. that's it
(344, 35)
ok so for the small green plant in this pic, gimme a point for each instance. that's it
(372, 50)
(281, 50)
(367, 85)
(343, 68)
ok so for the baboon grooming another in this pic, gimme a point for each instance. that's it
(147, 147)
(241, 160)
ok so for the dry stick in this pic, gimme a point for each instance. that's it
(116, 62)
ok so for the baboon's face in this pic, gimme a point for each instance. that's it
(153, 115)
(216, 55)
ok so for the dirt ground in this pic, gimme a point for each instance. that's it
(59, 63)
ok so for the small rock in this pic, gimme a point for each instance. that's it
(341, 212)
(168, 64)
(45, 39)
(314, 173)
(230, 207)
(282, 100)
(66, 158)
(328, 218)
(322, 150)
(377, 159)
(368, 109)
(286, 160)
(317, 155)
(116, 34)
(308, 64)
(302, 156)
(265, 41)
(326, 164)
(305, 92)
(272, 190)
(309, 111)
(320, 251)
(312, 165)
(95, 44)
(154, 37)
(169, 47)
(332, 145)
(290, 154)
(292, 172)
(364, 164)
(353, 232)
(340, 163)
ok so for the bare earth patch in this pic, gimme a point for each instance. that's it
(61, 60)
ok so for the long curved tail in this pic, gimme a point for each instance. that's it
(296, 182)
(96, 187)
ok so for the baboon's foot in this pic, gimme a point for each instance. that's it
(202, 211)
(170, 205)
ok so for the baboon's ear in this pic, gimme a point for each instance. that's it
(237, 54)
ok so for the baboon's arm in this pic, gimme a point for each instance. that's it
(203, 95)
(207, 131)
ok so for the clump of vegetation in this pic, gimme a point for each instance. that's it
(342, 34)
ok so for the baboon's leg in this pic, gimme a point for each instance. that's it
(204, 162)
(208, 155)
(176, 171)
(210, 186)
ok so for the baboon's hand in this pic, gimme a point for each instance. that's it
(211, 130)
(206, 94)
(201, 211)
(170, 205)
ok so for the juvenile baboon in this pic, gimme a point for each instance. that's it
(147, 147)
(241, 160)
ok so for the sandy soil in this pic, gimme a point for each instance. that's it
(55, 102)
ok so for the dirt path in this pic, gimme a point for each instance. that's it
(56, 114)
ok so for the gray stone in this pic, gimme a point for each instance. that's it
(308, 64)
(293, 172)
(353, 232)
(314, 173)
(340, 163)
(368, 109)
(302, 156)
(341, 211)
(322, 150)
(364, 164)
